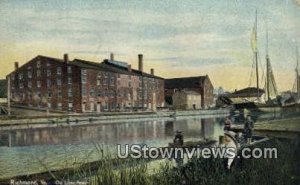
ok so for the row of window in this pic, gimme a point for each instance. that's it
(39, 84)
(39, 73)
(49, 94)
(59, 93)
(108, 93)
(111, 93)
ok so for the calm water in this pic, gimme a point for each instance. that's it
(33, 149)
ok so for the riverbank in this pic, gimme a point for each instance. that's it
(54, 120)
(211, 171)
(281, 170)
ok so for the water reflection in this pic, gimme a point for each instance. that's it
(108, 133)
(59, 147)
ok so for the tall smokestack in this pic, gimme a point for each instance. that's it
(112, 56)
(66, 57)
(129, 68)
(152, 71)
(140, 62)
(16, 65)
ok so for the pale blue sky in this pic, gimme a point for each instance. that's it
(177, 38)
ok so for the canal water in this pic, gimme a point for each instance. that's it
(30, 151)
(34, 150)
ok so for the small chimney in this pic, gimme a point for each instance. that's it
(16, 65)
(66, 57)
(152, 71)
(140, 62)
(129, 68)
(112, 56)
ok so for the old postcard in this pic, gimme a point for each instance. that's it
(149, 92)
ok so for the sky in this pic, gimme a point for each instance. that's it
(177, 38)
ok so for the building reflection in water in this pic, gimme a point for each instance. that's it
(133, 132)
(207, 128)
(59, 147)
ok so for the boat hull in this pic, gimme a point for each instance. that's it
(269, 108)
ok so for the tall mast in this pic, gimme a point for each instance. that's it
(256, 56)
(268, 67)
(297, 75)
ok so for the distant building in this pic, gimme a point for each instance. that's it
(239, 97)
(199, 84)
(219, 91)
(246, 95)
(85, 86)
(186, 100)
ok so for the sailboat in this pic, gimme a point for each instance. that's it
(270, 102)
(294, 100)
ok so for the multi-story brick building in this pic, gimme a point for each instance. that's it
(200, 84)
(84, 86)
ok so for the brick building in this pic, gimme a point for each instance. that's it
(200, 84)
(85, 86)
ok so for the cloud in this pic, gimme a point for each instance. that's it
(186, 36)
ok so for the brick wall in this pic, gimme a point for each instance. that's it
(47, 82)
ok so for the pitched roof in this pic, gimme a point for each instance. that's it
(89, 65)
(39, 57)
(246, 92)
(112, 66)
(186, 82)
(42, 57)
(121, 68)
(105, 65)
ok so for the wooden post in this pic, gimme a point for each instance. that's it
(9, 139)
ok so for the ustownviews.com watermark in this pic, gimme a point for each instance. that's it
(138, 151)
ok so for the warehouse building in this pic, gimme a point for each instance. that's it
(85, 86)
(199, 84)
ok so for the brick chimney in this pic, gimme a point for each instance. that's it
(129, 68)
(112, 56)
(140, 62)
(152, 71)
(16, 65)
(66, 57)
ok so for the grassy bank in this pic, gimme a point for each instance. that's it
(283, 170)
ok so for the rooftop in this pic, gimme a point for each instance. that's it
(107, 65)
(185, 82)
(122, 69)
(246, 92)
